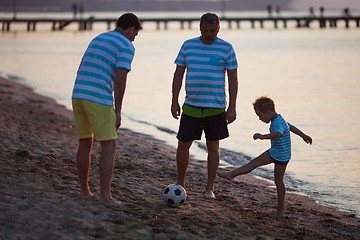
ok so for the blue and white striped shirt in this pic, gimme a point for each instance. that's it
(281, 147)
(95, 78)
(205, 77)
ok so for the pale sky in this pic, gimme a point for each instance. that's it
(179, 5)
(328, 4)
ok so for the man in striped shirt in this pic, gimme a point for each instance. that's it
(102, 74)
(206, 59)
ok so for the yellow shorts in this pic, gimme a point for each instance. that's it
(93, 119)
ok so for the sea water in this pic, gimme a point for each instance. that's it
(313, 75)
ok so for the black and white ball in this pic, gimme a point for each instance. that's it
(174, 195)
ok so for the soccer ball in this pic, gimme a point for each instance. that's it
(174, 195)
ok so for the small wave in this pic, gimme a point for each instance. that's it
(160, 128)
(15, 78)
(12, 76)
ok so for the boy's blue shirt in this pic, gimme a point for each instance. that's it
(281, 147)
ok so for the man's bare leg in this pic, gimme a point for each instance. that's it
(182, 161)
(83, 161)
(213, 164)
(106, 166)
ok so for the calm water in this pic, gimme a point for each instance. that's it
(313, 75)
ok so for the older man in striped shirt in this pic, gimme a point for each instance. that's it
(206, 59)
(102, 73)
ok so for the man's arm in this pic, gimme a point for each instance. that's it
(233, 90)
(298, 132)
(176, 87)
(119, 90)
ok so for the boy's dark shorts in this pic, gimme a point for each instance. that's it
(215, 128)
(278, 162)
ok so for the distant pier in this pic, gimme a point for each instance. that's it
(87, 24)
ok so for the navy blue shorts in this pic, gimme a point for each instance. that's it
(214, 127)
(278, 162)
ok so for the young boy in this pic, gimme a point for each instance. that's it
(279, 153)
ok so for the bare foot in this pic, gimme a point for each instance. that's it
(280, 212)
(226, 175)
(86, 194)
(110, 201)
(209, 195)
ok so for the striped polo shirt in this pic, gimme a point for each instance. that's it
(205, 76)
(95, 78)
(281, 147)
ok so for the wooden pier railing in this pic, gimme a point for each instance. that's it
(86, 24)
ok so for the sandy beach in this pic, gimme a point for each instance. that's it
(39, 188)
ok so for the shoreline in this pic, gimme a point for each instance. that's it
(39, 191)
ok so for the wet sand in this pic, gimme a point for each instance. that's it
(39, 188)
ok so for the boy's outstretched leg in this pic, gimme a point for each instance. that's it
(263, 159)
(279, 173)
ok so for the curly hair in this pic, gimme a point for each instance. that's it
(264, 104)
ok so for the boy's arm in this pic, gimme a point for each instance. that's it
(273, 135)
(298, 132)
